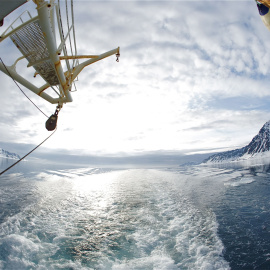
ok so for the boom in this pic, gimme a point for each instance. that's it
(36, 39)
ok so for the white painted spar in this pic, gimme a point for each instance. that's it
(36, 40)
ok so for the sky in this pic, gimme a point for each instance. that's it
(193, 78)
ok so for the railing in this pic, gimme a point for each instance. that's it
(11, 28)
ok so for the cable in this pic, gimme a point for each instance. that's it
(70, 44)
(21, 89)
(74, 37)
(38, 109)
(75, 63)
(55, 91)
(27, 154)
(63, 36)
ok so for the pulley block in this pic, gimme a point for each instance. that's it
(51, 122)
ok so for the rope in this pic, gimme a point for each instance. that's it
(38, 109)
(21, 89)
(74, 37)
(27, 153)
(55, 91)
(63, 36)
(70, 44)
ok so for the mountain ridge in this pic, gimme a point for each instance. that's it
(258, 147)
(7, 154)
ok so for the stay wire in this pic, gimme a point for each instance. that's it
(38, 109)
(27, 154)
(21, 89)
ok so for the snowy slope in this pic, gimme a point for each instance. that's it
(6, 154)
(259, 147)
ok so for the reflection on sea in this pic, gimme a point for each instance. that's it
(196, 217)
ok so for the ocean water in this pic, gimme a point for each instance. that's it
(97, 218)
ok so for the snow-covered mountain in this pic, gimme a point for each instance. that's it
(259, 147)
(6, 154)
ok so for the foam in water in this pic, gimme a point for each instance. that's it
(239, 182)
(134, 219)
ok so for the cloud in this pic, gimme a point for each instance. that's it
(192, 75)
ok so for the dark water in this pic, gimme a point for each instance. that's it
(90, 218)
(244, 220)
(241, 208)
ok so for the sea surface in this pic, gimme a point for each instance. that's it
(196, 217)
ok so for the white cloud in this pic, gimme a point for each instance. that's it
(176, 59)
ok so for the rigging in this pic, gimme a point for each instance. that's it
(36, 39)
(37, 145)
(52, 53)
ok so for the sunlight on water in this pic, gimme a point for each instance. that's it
(115, 219)
(135, 219)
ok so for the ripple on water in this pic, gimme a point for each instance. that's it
(134, 219)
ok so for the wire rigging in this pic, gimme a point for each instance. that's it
(68, 30)
(74, 37)
(27, 154)
(55, 91)
(62, 34)
(21, 88)
(38, 109)
(72, 43)
(75, 62)
(71, 36)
